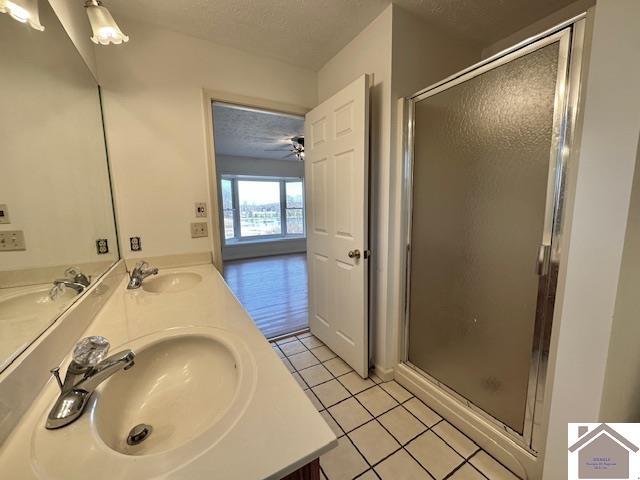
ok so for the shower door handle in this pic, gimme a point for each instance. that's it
(542, 262)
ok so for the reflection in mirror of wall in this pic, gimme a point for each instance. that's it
(55, 194)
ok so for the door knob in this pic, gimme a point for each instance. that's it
(354, 254)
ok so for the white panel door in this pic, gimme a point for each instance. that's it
(337, 194)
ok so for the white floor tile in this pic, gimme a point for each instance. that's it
(314, 400)
(315, 375)
(400, 466)
(291, 348)
(287, 364)
(396, 390)
(376, 400)
(332, 423)
(368, 475)
(355, 383)
(323, 353)
(311, 342)
(343, 462)
(456, 439)
(337, 366)
(330, 392)
(433, 454)
(490, 467)
(424, 413)
(298, 378)
(303, 360)
(467, 472)
(373, 441)
(402, 425)
(350, 414)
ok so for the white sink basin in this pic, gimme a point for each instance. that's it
(190, 384)
(34, 302)
(171, 380)
(171, 282)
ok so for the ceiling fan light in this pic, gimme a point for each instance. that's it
(104, 27)
(24, 11)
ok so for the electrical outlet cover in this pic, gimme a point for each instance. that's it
(11, 240)
(199, 229)
(102, 246)
(4, 214)
(201, 209)
(135, 243)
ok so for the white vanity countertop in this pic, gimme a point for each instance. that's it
(279, 432)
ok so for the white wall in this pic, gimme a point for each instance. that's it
(54, 175)
(156, 130)
(422, 55)
(550, 21)
(73, 17)
(621, 396)
(596, 223)
(260, 167)
(370, 52)
(403, 54)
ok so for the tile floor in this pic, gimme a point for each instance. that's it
(384, 432)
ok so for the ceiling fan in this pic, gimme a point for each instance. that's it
(295, 148)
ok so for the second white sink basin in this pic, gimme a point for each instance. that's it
(35, 302)
(171, 282)
(191, 385)
(179, 386)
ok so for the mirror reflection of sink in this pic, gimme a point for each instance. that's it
(34, 302)
(188, 388)
(171, 282)
(179, 387)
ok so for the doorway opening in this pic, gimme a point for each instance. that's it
(259, 160)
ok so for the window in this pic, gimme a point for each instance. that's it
(228, 212)
(259, 204)
(294, 207)
(262, 208)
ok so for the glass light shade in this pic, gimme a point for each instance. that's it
(105, 29)
(24, 11)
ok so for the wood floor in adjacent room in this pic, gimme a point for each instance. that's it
(273, 290)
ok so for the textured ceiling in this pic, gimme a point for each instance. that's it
(253, 133)
(307, 33)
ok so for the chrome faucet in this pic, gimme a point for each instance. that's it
(141, 271)
(87, 370)
(73, 278)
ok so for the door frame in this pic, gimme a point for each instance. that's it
(209, 97)
(570, 34)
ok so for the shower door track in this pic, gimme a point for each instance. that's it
(570, 35)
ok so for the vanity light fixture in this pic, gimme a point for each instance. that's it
(105, 29)
(24, 11)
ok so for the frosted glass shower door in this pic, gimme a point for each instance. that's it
(481, 166)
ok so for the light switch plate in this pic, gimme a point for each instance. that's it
(201, 209)
(11, 240)
(199, 229)
(4, 213)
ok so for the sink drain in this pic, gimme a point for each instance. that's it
(139, 434)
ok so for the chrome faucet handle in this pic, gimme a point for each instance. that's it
(55, 371)
(90, 351)
(74, 274)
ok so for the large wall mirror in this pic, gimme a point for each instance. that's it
(57, 228)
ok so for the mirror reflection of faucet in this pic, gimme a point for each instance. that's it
(88, 369)
(74, 279)
(141, 271)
